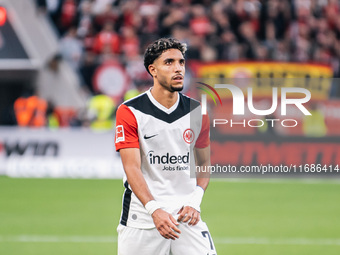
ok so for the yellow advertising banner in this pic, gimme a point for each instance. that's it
(263, 76)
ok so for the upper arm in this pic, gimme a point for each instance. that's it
(126, 129)
(203, 139)
(130, 158)
(202, 145)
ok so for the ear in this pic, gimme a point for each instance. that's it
(152, 70)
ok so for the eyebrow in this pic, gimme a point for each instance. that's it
(172, 59)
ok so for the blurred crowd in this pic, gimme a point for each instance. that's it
(94, 31)
(285, 30)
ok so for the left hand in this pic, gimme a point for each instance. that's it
(189, 214)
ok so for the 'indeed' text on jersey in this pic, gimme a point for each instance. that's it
(168, 159)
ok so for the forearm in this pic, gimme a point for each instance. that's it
(164, 222)
(138, 185)
(203, 162)
(203, 182)
(132, 167)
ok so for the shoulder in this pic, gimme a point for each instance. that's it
(137, 102)
(189, 102)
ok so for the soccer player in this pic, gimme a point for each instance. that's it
(159, 141)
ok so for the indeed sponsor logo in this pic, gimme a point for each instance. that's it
(167, 158)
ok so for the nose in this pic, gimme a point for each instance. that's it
(178, 67)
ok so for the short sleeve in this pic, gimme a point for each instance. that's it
(203, 139)
(126, 135)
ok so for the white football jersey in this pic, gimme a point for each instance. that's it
(166, 139)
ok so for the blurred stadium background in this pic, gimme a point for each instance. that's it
(65, 65)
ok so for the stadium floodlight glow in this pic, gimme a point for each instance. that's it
(3, 15)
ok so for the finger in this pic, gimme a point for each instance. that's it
(171, 232)
(195, 222)
(163, 233)
(168, 236)
(173, 235)
(176, 229)
(187, 217)
(167, 233)
(183, 212)
(180, 210)
(173, 220)
(173, 224)
(189, 214)
(195, 219)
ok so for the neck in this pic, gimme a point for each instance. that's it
(164, 97)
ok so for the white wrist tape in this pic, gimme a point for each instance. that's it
(152, 206)
(196, 198)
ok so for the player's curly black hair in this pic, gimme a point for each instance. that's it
(155, 49)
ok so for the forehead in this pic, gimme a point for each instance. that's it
(171, 53)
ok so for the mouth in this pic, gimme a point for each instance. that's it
(178, 78)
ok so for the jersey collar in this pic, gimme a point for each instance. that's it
(161, 107)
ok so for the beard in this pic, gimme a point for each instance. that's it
(176, 88)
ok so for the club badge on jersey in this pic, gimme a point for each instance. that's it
(189, 136)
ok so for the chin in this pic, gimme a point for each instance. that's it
(177, 87)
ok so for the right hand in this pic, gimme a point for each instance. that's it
(166, 224)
